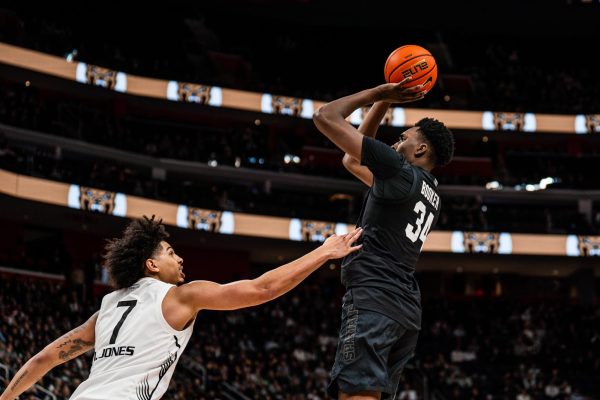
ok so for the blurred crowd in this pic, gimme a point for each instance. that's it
(464, 213)
(480, 349)
(201, 44)
(513, 350)
(290, 148)
(472, 349)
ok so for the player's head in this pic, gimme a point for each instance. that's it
(142, 251)
(428, 144)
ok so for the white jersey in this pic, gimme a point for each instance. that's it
(136, 350)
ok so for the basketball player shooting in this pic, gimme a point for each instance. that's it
(143, 327)
(381, 310)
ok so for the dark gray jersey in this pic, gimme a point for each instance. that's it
(399, 211)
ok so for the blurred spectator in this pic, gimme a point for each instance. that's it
(283, 350)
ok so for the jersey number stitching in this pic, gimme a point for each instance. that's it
(419, 232)
(128, 303)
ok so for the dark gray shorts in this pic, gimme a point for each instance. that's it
(372, 352)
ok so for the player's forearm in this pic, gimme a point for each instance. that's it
(330, 119)
(368, 127)
(27, 376)
(283, 279)
(341, 108)
(371, 122)
(65, 348)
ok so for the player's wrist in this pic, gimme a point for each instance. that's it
(379, 93)
(324, 252)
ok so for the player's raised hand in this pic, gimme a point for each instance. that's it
(398, 93)
(341, 245)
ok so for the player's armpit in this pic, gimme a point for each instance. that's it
(360, 171)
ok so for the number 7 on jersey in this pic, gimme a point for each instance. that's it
(130, 304)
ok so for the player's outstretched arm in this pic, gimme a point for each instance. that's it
(368, 127)
(330, 119)
(270, 285)
(63, 349)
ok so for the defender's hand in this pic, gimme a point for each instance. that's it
(340, 246)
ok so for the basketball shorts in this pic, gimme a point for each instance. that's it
(371, 353)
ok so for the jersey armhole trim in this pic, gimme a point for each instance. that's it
(163, 321)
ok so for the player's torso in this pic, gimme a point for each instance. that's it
(136, 350)
(395, 230)
(381, 274)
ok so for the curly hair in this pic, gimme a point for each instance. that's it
(126, 256)
(440, 138)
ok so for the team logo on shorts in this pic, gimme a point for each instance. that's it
(588, 245)
(592, 123)
(316, 231)
(509, 121)
(204, 220)
(193, 93)
(96, 200)
(287, 105)
(348, 345)
(482, 242)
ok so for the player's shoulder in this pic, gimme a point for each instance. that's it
(141, 286)
(192, 287)
(426, 176)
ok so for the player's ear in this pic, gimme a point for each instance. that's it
(421, 149)
(151, 266)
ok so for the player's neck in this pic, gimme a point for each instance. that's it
(423, 165)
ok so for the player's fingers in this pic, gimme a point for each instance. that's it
(417, 96)
(405, 80)
(355, 234)
(354, 248)
(348, 236)
(412, 89)
(421, 92)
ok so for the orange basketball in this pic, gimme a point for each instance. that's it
(411, 60)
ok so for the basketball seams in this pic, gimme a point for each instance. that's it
(415, 48)
(392, 55)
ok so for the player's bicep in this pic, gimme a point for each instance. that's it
(72, 344)
(205, 295)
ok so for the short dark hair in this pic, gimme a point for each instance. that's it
(440, 138)
(126, 256)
